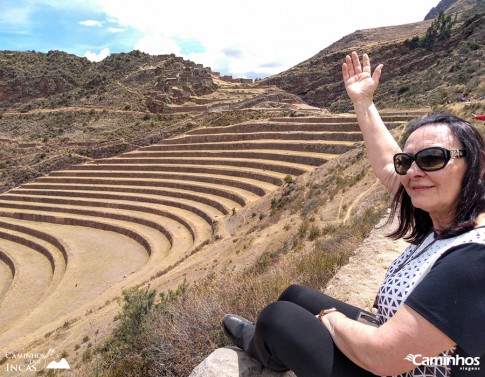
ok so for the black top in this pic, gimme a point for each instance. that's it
(452, 298)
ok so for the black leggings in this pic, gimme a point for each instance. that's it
(289, 336)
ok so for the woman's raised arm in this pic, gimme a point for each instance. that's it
(381, 146)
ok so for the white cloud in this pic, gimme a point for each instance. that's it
(156, 44)
(116, 29)
(15, 16)
(252, 36)
(92, 56)
(91, 23)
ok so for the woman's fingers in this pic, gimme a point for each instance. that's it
(356, 63)
(366, 61)
(352, 69)
(377, 73)
(352, 66)
(349, 66)
(345, 72)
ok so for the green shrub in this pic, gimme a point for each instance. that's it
(314, 232)
(87, 354)
(439, 30)
(137, 305)
(288, 179)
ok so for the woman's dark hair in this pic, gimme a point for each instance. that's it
(415, 224)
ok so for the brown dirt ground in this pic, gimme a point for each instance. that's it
(358, 281)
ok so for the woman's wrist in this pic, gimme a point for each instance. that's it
(324, 312)
(327, 317)
(363, 104)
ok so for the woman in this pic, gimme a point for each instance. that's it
(431, 305)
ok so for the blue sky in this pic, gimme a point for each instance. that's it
(246, 38)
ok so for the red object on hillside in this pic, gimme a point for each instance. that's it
(480, 117)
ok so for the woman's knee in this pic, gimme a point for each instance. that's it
(275, 317)
(290, 293)
(306, 297)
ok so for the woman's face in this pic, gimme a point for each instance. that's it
(435, 192)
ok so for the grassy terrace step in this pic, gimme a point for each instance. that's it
(33, 276)
(288, 135)
(37, 234)
(7, 273)
(272, 126)
(98, 260)
(297, 157)
(45, 244)
(206, 212)
(152, 164)
(172, 228)
(121, 227)
(190, 217)
(9, 264)
(392, 116)
(41, 242)
(322, 119)
(219, 203)
(27, 242)
(178, 171)
(332, 147)
(411, 113)
(259, 188)
(241, 197)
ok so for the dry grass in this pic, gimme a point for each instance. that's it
(174, 336)
(178, 330)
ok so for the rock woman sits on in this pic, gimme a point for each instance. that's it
(431, 306)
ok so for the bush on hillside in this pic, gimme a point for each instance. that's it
(169, 337)
(440, 29)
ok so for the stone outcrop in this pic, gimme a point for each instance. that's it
(233, 362)
(177, 81)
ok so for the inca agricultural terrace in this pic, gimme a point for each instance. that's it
(74, 239)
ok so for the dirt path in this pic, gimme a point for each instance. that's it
(357, 201)
(358, 281)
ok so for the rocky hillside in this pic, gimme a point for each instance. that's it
(132, 81)
(426, 63)
(58, 109)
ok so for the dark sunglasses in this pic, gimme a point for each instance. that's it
(428, 159)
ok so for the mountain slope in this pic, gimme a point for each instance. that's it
(30, 80)
(413, 75)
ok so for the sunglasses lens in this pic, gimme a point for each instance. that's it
(431, 159)
(402, 163)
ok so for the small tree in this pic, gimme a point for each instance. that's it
(138, 303)
(439, 30)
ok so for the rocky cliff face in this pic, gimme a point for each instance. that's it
(441, 7)
(453, 6)
(28, 75)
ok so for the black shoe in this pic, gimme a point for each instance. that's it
(239, 329)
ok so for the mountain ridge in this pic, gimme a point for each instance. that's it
(410, 70)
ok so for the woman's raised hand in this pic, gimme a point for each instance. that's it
(359, 82)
